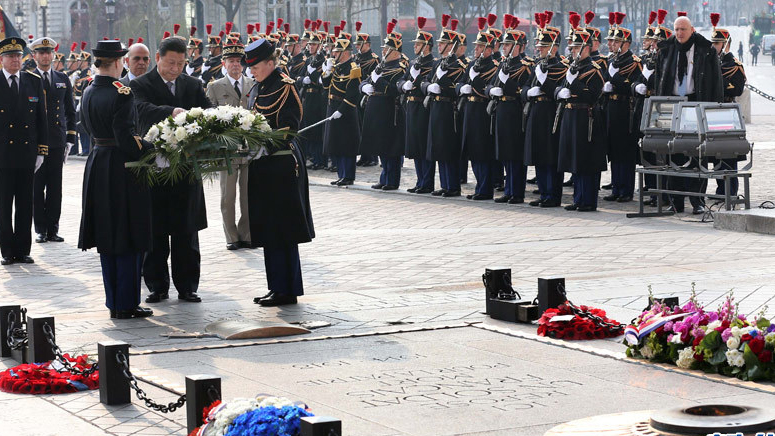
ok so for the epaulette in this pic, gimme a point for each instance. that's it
(33, 74)
(635, 58)
(122, 89)
(529, 59)
(596, 65)
(355, 71)
(287, 79)
(738, 62)
(604, 56)
(374, 55)
(496, 62)
(565, 61)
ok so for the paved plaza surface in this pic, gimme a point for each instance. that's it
(395, 278)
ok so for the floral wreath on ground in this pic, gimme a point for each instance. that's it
(260, 416)
(564, 323)
(44, 378)
(722, 341)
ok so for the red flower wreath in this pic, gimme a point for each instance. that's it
(578, 327)
(40, 378)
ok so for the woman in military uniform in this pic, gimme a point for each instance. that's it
(116, 214)
(278, 188)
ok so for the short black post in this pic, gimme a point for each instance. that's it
(551, 293)
(320, 426)
(5, 350)
(40, 350)
(114, 387)
(201, 391)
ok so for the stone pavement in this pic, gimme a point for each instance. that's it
(397, 278)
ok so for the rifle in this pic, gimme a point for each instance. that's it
(493, 104)
(445, 64)
(475, 67)
(377, 70)
(544, 63)
(574, 68)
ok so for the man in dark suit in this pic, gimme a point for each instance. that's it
(61, 137)
(23, 145)
(179, 208)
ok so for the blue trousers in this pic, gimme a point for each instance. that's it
(345, 167)
(426, 173)
(283, 270)
(463, 174)
(549, 182)
(449, 173)
(498, 178)
(734, 183)
(483, 173)
(623, 179)
(391, 170)
(315, 152)
(121, 277)
(585, 189)
(85, 139)
(516, 178)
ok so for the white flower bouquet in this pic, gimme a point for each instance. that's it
(199, 142)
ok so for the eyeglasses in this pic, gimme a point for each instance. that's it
(137, 58)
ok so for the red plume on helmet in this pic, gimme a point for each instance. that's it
(287, 27)
(176, 29)
(611, 18)
(140, 40)
(358, 26)
(128, 44)
(57, 47)
(661, 14)
(652, 17)
(390, 26)
(394, 21)
(507, 20)
(104, 38)
(537, 18)
(83, 45)
(337, 29)
(166, 35)
(514, 22)
(549, 15)
(228, 26)
(319, 22)
(445, 20)
(715, 17)
(482, 22)
(453, 24)
(269, 27)
(73, 46)
(325, 25)
(620, 18)
(342, 24)
(258, 27)
(588, 17)
(421, 22)
(574, 20)
(251, 28)
(681, 13)
(209, 28)
(307, 22)
(491, 19)
(221, 33)
(193, 31)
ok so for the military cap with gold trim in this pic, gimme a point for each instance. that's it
(650, 32)
(73, 56)
(44, 44)
(423, 35)
(546, 36)
(622, 34)
(578, 37)
(611, 25)
(484, 37)
(212, 40)
(315, 37)
(719, 34)
(447, 35)
(193, 41)
(360, 37)
(596, 34)
(12, 45)
(85, 55)
(233, 48)
(494, 31)
(341, 43)
(662, 33)
(460, 37)
(393, 39)
(512, 35)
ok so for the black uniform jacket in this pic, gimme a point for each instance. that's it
(734, 77)
(24, 135)
(620, 107)
(342, 136)
(314, 98)
(61, 110)
(178, 208)
(509, 137)
(278, 187)
(541, 145)
(478, 141)
(416, 113)
(383, 118)
(444, 123)
(116, 207)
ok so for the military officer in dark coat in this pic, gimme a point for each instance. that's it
(179, 208)
(296, 58)
(195, 59)
(314, 99)
(23, 146)
(367, 60)
(61, 137)
(579, 152)
(478, 141)
(505, 91)
(342, 76)
(280, 216)
(116, 207)
(383, 118)
(213, 66)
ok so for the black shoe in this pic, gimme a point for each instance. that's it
(479, 197)
(6, 261)
(345, 182)
(587, 208)
(438, 192)
(451, 194)
(424, 191)
(278, 300)
(154, 297)
(332, 169)
(336, 182)
(232, 246)
(269, 294)
(698, 210)
(413, 190)
(567, 184)
(377, 186)
(550, 203)
(608, 186)
(360, 163)
(624, 199)
(515, 200)
(674, 209)
(611, 197)
(536, 191)
(532, 181)
(470, 196)
(573, 206)
(137, 312)
(244, 244)
(499, 188)
(41, 238)
(502, 199)
(535, 202)
(55, 238)
(389, 188)
(370, 164)
(24, 259)
(190, 297)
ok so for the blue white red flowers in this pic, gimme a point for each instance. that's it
(260, 416)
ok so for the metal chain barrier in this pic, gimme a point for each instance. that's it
(598, 321)
(141, 395)
(759, 91)
(16, 337)
(67, 366)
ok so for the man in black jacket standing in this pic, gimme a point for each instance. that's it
(688, 66)
(179, 208)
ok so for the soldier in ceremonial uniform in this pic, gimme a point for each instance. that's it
(461, 54)
(296, 59)
(116, 209)
(505, 91)
(212, 68)
(383, 119)
(624, 69)
(314, 98)
(23, 146)
(73, 61)
(280, 215)
(416, 112)
(195, 59)
(478, 142)
(61, 137)
(341, 76)
(541, 144)
(443, 131)
(580, 153)
(80, 80)
(367, 60)
(59, 61)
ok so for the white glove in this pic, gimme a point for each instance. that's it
(375, 76)
(38, 162)
(414, 72)
(306, 80)
(310, 69)
(647, 73)
(571, 77)
(612, 70)
(541, 75)
(68, 147)
(162, 162)
(496, 92)
(503, 76)
(336, 115)
(407, 86)
(330, 63)
(472, 73)
(564, 94)
(466, 89)
(641, 89)
(534, 91)
(434, 88)
(608, 87)
(440, 72)
(368, 89)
